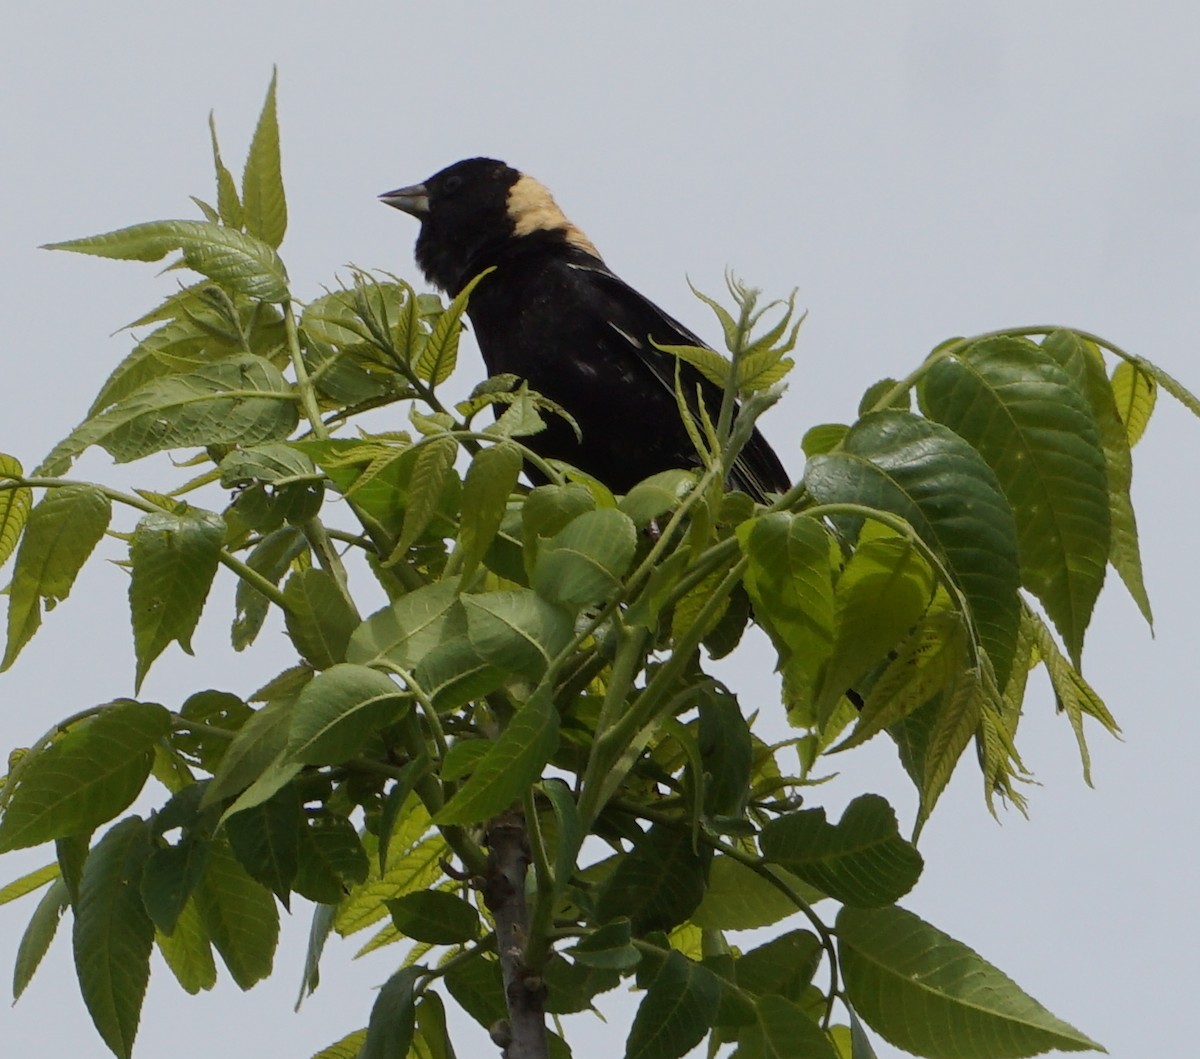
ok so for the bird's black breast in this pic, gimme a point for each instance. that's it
(581, 342)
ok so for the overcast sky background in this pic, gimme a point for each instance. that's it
(917, 170)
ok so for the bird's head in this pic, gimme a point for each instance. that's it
(474, 211)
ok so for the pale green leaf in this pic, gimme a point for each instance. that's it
(263, 202)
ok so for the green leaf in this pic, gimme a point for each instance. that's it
(784, 965)
(264, 205)
(265, 838)
(43, 925)
(1085, 363)
(332, 859)
(393, 1017)
(931, 995)
(726, 750)
(410, 628)
(435, 916)
(113, 935)
(510, 767)
(490, 479)
(319, 617)
(790, 582)
(477, 985)
(547, 509)
(517, 631)
(240, 400)
(338, 710)
(259, 742)
(14, 507)
(658, 884)
(656, 495)
(1035, 428)
(229, 205)
(84, 777)
(880, 596)
(1076, 697)
(930, 477)
(60, 534)
(432, 1031)
(861, 861)
(824, 437)
(188, 953)
(349, 1047)
(239, 916)
(955, 720)
(272, 557)
(608, 948)
(583, 563)
(170, 876)
(435, 461)
(29, 882)
(440, 354)
(926, 663)
(174, 559)
(229, 257)
(1135, 392)
(676, 1012)
(783, 1030)
(738, 898)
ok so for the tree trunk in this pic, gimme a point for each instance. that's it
(504, 894)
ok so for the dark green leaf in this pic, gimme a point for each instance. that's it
(435, 917)
(240, 917)
(431, 1027)
(1035, 428)
(272, 557)
(929, 994)
(676, 1012)
(784, 965)
(259, 741)
(658, 884)
(434, 463)
(935, 481)
(608, 948)
(84, 777)
(393, 1017)
(60, 533)
(478, 986)
(171, 875)
(113, 935)
(862, 860)
(331, 859)
(265, 838)
(174, 559)
(784, 1031)
(726, 751)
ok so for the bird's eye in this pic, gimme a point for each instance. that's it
(452, 184)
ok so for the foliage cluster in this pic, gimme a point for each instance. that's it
(540, 661)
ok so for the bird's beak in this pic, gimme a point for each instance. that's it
(412, 200)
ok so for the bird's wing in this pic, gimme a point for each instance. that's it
(636, 319)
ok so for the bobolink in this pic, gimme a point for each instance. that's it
(553, 314)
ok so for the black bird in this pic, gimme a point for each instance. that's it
(555, 315)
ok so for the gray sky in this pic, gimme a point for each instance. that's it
(917, 170)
